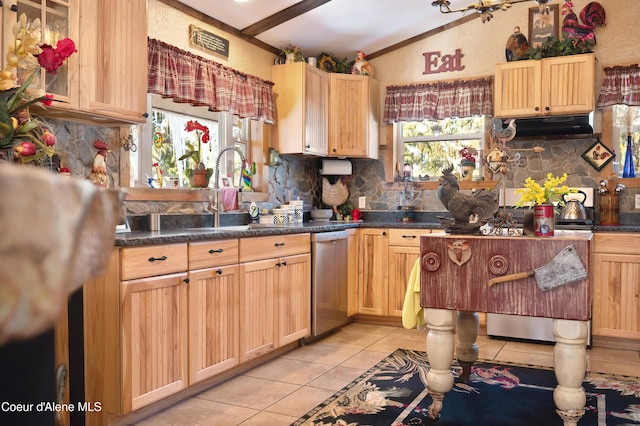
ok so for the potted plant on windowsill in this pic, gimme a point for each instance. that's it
(199, 175)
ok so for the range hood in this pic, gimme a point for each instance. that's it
(559, 127)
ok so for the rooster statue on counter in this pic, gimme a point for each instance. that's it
(469, 211)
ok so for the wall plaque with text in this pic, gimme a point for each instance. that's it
(208, 42)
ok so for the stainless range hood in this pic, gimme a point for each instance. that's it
(559, 127)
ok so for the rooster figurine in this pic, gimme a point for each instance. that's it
(98, 175)
(481, 205)
(361, 66)
(592, 15)
(503, 134)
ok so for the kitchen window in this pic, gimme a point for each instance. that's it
(164, 141)
(427, 147)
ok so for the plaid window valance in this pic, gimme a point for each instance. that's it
(188, 78)
(435, 101)
(620, 85)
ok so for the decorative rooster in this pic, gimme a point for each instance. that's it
(98, 173)
(592, 15)
(481, 205)
(361, 66)
(503, 134)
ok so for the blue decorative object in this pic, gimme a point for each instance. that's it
(629, 168)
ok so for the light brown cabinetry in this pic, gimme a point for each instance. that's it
(373, 269)
(301, 96)
(352, 271)
(353, 116)
(404, 250)
(616, 295)
(551, 86)
(214, 308)
(154, 323)
(275, 292)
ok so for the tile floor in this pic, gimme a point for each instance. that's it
(280, 391)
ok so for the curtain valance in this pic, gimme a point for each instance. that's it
(620, 85)
(188, 78)
(435, 101)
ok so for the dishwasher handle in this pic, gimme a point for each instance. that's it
(333, 236)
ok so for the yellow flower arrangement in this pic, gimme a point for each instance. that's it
(551, 191)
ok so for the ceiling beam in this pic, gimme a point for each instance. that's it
(284, 15)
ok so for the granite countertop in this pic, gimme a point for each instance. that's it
(178, 235)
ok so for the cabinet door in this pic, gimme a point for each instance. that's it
(353, 109)
(352, 272)
(214, 312)
(154, 339)
(294, 298)
(568, 84)
(113, 59)
(301, 96)
(401, 261)
(616, 297)
(258, 308)
(517, 89)
(373, 280)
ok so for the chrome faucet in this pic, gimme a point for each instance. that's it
(217, 207)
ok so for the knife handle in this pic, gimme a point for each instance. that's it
(511, 277)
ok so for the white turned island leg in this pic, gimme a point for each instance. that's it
(440, 345)
(467, 350)
(570, 366)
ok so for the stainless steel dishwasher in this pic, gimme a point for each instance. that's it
(328, 281)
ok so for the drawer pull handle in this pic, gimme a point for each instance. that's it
(279, 244)
(216, 251)
(408, 236)
(186, 280)
(384, 233)
(283, 263)
(153, 259)
(219, 271)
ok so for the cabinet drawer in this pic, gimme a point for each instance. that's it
(616, 243)
(272, 247)
(212, 253)
(407, 237)
(140, 262)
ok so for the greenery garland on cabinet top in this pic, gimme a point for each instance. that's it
(553, 47)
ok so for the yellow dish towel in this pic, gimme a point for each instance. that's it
(411, 309)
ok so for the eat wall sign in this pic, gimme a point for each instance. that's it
(436, 62)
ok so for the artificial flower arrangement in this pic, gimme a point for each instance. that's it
(468, 157)
(551, 191)
(293, 51)
(29, 136)
(202, 135)
(330, 63)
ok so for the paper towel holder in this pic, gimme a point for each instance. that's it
(337, 167)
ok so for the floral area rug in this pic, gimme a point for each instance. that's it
(394, 393)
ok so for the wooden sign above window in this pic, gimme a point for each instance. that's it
(208, 42)
(436, 62)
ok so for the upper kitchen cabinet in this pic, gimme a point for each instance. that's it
(353, 116)
(59, 20)
(113, 60)
(552, 86)
(301, 96)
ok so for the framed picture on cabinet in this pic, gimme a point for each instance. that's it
(598, 155)
(543, 25)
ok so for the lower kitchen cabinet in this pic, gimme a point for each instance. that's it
(374, 268)
(352, 271)
(275, 293)
(214, 313)
(154, 339)
(616, 295)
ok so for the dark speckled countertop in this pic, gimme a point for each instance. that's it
(177, 235)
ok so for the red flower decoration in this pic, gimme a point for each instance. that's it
(49, 138)
(48, 100)
(52, 58)
(194, 125)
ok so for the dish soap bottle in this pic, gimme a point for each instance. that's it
(254, 212)
(629, 168)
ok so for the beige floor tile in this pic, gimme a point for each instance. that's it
(264, 418)
(301, 401)
(289, 371)
(196, 411)
(613, 368)
(536, 348)
(250, 392)
(378, 330)
(365, 359)
(350, 339)
(410, 334)
(614, 355)
(321, 353)
(337, 378)
(525, 358)
(389, 344)
(489, 349)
